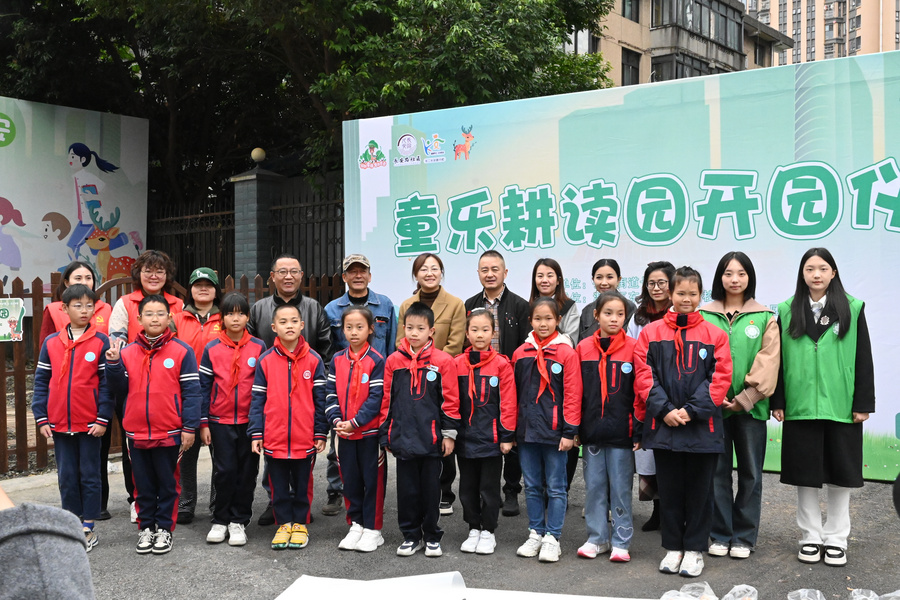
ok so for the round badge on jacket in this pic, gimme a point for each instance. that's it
(90, 357)
(168, 363)
(307, 374)
(556, 368)
(495, 381)
(251, 362)
(365, 378)
(752, 332)
(627, 368)
(431, 376)
(703, 353)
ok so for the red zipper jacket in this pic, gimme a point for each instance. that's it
(55, 319)
(70, 391)
(686, 368)
(423, 403)
(288, 408)
(162, 387)
(555, 413)
(195, 334)
(489, 417)
(616, 420)
(223, 402)
(367, 409)
(133, 300)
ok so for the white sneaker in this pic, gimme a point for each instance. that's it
(718, 549)
(692, 564)
(216, 534)
(236, 534)
(486, 543)
(471, 542)
(532, 545)
(739, 552)
(433, 549)
(549, 549)
(133, 513)
(352, 538)
(369, 541)
(589, 550)
(672, 562)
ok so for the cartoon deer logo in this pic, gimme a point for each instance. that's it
(464, 148)
(110, 267)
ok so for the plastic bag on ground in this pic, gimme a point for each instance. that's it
(863, 595)
(742, 592)
(691, 591)
(892, 595)
(805, 594)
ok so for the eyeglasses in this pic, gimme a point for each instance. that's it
(425, 270)
(286, 272)
(157, 272)
(149, 315)
(82, 307)
(661, 284)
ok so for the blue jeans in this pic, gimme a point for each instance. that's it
(608, 477)
(736, 517)
(540, 463)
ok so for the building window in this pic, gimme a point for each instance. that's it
(631, 67)
(631, 10)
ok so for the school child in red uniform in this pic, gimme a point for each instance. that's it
(686, 363)
(71, 402)
(356, 409)
(487, 406)
(227, 371)
(287, 423)
(157, 375)
(422, 392)
(612, 413)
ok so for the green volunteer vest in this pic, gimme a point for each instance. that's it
(745, 339)
(819, 375)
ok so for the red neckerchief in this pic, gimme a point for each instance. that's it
(356, 371)
(413, 361)
(150, 348)
(486, 357)
(68, 344)
(617, 341)
(235, 356)
(542, 364)
(294, 359)
(671, 319)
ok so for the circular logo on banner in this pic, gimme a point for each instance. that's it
(7, 130)
(495, 381)
(752, 332)
(307, 374)
(365, 378)
(703, 353)
(168, 363)
(251, 362)
(406, 145)
(556, 368)
(431, 376)
(627, 368)
(90, 357)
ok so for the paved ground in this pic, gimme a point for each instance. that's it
(197, 570)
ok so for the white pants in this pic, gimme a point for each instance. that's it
(836, 529)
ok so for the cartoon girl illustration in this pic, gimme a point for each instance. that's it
(88, 188)
(9, 250)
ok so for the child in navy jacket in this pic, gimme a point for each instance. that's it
(356, 408)
(686, 363)
(612, 413)
(287, 423)
(227, 371)
(487, 405)
(422, 392)
(71, 402)
(157, 374)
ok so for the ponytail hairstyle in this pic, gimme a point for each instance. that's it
(549, 303)
(646, 310)
(74, 266)
(837, 297)
(85, 153)
(366, 312)
(687, 273)
(480, 312)
(607, 297)
(9, 213)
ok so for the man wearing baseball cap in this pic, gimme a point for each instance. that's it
(357, 275)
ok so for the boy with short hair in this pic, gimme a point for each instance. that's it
(287, 423)
(421, 388)
(72, 404)
(227, 371)
(158, 375)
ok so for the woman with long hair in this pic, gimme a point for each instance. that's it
(547, 282)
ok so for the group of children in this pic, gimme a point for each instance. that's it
(611, 394)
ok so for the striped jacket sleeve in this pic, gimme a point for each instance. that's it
(372, 407)
(189, 379)
(42, 375)
(106, 403)
(257, 417)
(320, 430)
(332, 404)
(207, 381)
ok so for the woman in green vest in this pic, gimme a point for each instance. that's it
(755, 352)
(826, 389)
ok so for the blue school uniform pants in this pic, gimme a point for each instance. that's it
(78, 470)
(363, 469)
(290, 482)
(157, 485)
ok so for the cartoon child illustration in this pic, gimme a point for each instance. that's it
(9, 250)
(372, 153)
(88, 188)
(55, 227)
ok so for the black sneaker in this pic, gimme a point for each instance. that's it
(162, 541)
(104, 515)
(145, 541)
(511, 505)
(267, 517)
(446, 508)
(333, 505)
(184, 518)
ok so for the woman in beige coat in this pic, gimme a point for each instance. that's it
(449, 311)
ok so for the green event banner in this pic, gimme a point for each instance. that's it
(769, 161)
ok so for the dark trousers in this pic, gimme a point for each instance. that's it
(363, 468)
(235, 468)
(105, 444)
(156, 485)
(685, 498)
(572, 465)
(512, 472)
(419, 498)
(290, 480)
(78, 470)
(188, 501)
(479, 491)
(448, 476)
(126, 458)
